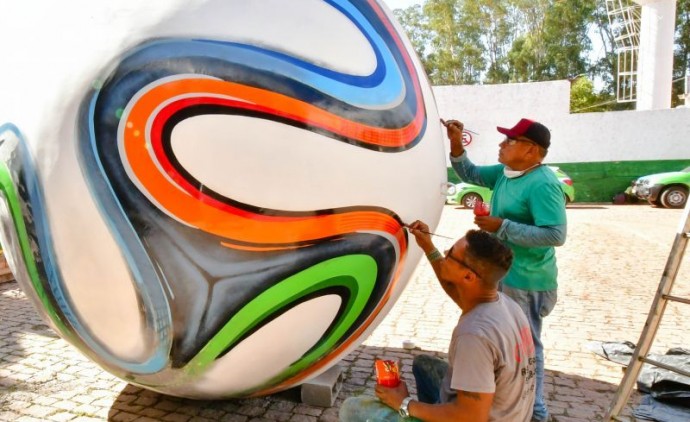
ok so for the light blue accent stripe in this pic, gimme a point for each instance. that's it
(158, 315)
(383, 87)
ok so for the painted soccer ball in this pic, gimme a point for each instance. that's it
(214, 206)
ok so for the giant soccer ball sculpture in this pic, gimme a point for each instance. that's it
(209, 202)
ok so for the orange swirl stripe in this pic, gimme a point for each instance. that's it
(254, 231)
(232, 223)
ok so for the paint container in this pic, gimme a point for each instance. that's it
(481, 208)
(408, 344)
(387, 373)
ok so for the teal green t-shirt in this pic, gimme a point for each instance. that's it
(535, 199)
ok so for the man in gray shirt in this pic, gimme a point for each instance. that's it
(491, 368)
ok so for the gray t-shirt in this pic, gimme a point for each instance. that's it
(491, 351)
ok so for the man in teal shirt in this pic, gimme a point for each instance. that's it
(528, 214)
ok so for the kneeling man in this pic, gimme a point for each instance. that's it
(490, 371)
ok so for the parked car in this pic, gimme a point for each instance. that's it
(466, 194)
(669, 190)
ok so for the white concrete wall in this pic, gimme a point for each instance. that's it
(582, 137)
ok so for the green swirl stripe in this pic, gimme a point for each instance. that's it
(7, 187)
(357, 273)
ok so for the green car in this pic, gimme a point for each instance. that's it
(669, 190)
(466, 194)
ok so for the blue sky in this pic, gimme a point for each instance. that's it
(401, 4)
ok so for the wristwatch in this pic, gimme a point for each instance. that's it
(404, 412)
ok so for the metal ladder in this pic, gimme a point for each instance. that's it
(663, 295)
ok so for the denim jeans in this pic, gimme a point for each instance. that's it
(536, 305)
(428, 374)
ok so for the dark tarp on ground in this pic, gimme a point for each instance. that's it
(659, 411)
(669, 392)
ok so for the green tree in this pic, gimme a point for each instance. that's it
(527, 50)
(584, 99)
(500, 41)
(487, 32)
(554, 42)
(445, 58)
(416, 25)
(681, 60)
(450, 53)
(566, 41)
(605, 64)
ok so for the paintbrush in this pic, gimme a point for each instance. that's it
(444, 123)
(407, 226)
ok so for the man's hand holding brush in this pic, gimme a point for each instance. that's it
(454, 131)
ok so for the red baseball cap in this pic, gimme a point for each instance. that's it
(534, 131)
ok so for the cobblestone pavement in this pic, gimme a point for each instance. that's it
(609, 271)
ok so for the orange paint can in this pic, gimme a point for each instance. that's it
(387, 373)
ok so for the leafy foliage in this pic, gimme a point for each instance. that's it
(502, 41)
(681, 59)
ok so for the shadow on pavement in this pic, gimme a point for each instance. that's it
(570, 397)
(569, 207)
(135, 402)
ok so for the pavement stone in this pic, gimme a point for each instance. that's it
(610, 268)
